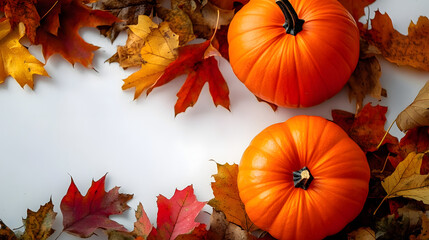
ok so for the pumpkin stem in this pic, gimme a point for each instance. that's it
(293, 24)
(302, 178)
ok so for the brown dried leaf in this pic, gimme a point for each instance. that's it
(417, 113)
(363, 233)
(6, 233)
(38, 225)
(179, 22)
(411, 50)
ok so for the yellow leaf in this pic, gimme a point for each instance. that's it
(158, 51)
(417, 114)
(16, 59)
(406, 180)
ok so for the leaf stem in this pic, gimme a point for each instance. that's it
(382, 201)
(385, 135)
(217, 25)
(50, 9)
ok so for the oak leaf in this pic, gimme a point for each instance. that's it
(227, 198)
(158, 51)
(406, 180)
(417, 113)
(197, 61)
(82, 215)
(16, 59)
(176, 215)
(22, 11)
(6, 233)
(59, 33)
(411, 50)
(367, 129)
(38, 225)
(126, 10)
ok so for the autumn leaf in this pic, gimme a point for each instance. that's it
(82, 215)
(59, 33)
(411, 50)
(227, 198)
(38, 225)
(367, 129)
(142, 228)
(126, 10)
(425, 228)
(356, 8)
(22, 11)
(363, 233)
(129, 55)
(220, 41)
(406, 180)
(6, 233)
(228, 4)
(17, 61)
(417, 113)
(199, 233)
(158, 51)
(196, 61)
(176, 215)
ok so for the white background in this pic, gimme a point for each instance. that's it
(80, 123)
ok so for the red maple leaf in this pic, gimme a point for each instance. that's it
(22, 11)
(176, 216)
(58, 31)
(82, 215)
(195, 60)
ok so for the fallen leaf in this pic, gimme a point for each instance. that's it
(228, 4)
(59, 33)
(17, 61)
(363, 233)
(196, 61)
(38, 225)
(22, 11)
(220, 42)
(367, 129)
(180, 23)
(216, 16)
(417, 113)
(199, 233)
(411, 50)
(227, 198)
(176, 215)
(142, 228)
(406, 180)
(424, 235)
(129, 55)
(356, 8)
(126, 10)
(343, 119)
(365, 80)
(6, 233)
(158, 51)
(82, 215)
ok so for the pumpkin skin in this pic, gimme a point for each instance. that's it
(334, 197)
(293, 71)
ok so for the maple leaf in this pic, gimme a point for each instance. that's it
(199, 233)
(126, 10)
(58, 33)
(82, 215)
(411, 50)
(406, 180)
(158, 51)
(201, 67)
(356, 8)
(16, 59)
(417, 113)
(176, 215)
(38, 225)
(220, 41)
(6, 233)
(227, 198)
(367, 129)
(22, 11)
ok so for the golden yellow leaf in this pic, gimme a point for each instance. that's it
(129, 55)
(406, 180)
(16, 59)
(417, 113)
(158, 51)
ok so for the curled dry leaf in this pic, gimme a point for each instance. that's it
(38, 225)
(16, 59)
(126, 10)
(6, 233)
(417, 114)
(180, 23)
(411, 50)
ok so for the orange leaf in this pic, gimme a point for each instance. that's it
(201, 68)
(65, 39)
(411, 50)
(356, 8)
(227, 198)
(22, 11)
(82, 215)
(6, 233)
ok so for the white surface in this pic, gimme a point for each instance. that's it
(80, 123)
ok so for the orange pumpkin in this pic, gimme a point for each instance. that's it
(303, 179)
(293, 54)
